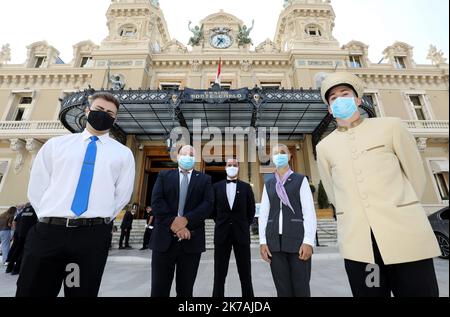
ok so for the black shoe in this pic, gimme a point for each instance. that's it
(121, 248)
(143, 248)
(9, 268)
(15, 272)
(128, 247)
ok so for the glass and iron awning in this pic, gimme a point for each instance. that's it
(151, 115)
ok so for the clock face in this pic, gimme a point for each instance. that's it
(221, 41)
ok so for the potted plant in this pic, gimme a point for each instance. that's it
(324, 210)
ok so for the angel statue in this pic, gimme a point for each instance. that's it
(198, 35)
(5, 54)
(244, 34)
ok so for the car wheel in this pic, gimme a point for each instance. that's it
(443, 244)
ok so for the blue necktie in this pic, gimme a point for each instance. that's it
(81, 199)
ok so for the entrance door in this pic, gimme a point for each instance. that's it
(156, 159)
(217, 169)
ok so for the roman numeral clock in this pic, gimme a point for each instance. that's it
(220, 38)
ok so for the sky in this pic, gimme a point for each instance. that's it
(377, 23)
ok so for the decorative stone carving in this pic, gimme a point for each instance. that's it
(436, 57)
(196, 65)
(174, 47)
(267, 47)
(18, 146)
(245, 65)
(422, 144)
(5, 54)
(33, 146)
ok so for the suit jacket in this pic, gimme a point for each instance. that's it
(235, 220)
(127, 221)
(198, 207)
(374, 176)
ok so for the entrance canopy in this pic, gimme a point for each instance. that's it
(151, 115)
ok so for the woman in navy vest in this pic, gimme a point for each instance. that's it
(287, 227)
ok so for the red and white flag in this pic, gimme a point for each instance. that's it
(219, 72)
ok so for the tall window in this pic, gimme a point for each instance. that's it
(21, 110)
(86, 61)
(40, 60)
(373, 99)
(400, 62)
(440, 174)
(128, 30)
(355, 61)
(418, 105)
(313, 30)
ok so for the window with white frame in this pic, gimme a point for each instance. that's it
(224, 85)
(373, 99)
(440, 177)
(128, 30)
(417, 103)
(355, 61)
(21, 108)
(169, 85)
(4, 165)
(400, 62)
(86, 61)
(271, 85)
(39, 62)
(313, 30)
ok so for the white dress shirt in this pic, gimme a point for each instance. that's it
(231, 193)
(189, 174)
(308, 210)
(56, 172)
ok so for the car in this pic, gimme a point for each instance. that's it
(439, 223)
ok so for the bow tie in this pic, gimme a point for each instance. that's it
(231, 181)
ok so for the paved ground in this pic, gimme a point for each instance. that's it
(127, 274)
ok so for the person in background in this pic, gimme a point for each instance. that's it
(24, 223)
(126, 227)
(148, 228)
(6, 220)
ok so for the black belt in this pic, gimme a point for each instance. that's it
(74, 223)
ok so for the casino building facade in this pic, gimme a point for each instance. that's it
(163, 83)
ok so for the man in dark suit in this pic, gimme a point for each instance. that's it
(181, 200)
(126, 227)
(234, 210)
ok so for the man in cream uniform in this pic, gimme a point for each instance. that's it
(372, 172)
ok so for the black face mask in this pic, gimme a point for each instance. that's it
(100, 120)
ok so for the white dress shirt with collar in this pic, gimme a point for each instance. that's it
(56, 172)
(308, 210)
(189, 174)
(231, 192)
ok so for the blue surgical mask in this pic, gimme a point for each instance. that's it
(280, 160)
(344, 108)
(186, 162)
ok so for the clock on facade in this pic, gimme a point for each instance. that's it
(221, 41)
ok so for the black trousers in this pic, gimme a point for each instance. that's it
(54, 255)
(16, 254)
(291, 275)
(163, 269)
(124, 234)
(222, 254)
(413, 279)
(147, 236)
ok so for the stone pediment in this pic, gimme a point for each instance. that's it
(221, 18)
(174, 46)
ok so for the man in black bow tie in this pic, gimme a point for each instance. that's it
(234, 210)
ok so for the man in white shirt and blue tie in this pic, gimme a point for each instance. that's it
(78, 185)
